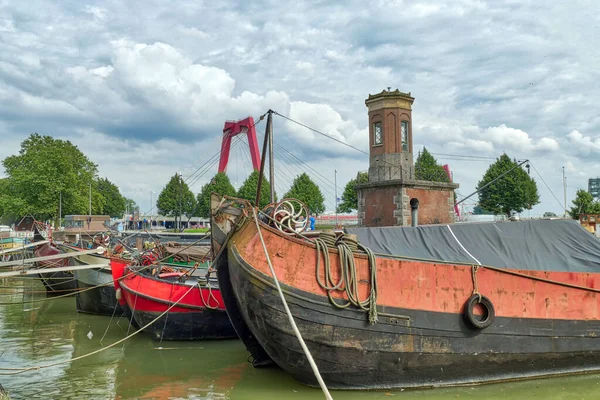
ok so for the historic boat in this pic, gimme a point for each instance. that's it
(199, 313)
(56, 282)
(96, 293)
(432, 306)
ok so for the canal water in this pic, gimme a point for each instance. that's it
(40, 333)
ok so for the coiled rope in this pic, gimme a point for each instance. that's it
(347, 246)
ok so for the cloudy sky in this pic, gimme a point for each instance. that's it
(143, 88)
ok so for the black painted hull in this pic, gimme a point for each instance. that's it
(59, 283)
(406, 348)
(205, 325)
(260, 358)
(100, 300)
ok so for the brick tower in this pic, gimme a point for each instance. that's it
(384, 199)
(390, 136)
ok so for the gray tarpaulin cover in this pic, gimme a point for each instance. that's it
(549, 245)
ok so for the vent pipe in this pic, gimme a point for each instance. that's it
(414, 207)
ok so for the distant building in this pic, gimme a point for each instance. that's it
(594, 187)
(89, 223)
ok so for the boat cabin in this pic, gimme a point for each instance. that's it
(96, 223)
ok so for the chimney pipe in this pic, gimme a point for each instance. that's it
(414, 206)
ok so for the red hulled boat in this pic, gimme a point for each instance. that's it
(58, 282)
(428, 323)
(198, 314)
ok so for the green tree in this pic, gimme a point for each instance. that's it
(427, 168)
(249, 187)
(549, 214)
(477, 210)
(130, 205)
(45, 169)
(515, 191)
(114, 202)
(176, 197)
(305, 190)
(583, 204)
(219, 184)
(350, 197)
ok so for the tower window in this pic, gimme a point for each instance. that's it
(404, 135)
(377, 133)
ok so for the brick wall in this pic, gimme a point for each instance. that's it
(390, 205)
(379, 207)
(435, 206)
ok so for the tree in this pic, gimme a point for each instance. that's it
(549, 214)
(515, 191)
(45, 170)
(350, 197)
(176, 198)
(584, 204)
(305, 190)
(130, 205)
(114, 202)
(477, 210)
(249, 187)
(219, 184)
(427, 168)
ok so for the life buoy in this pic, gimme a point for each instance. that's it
(480, 322)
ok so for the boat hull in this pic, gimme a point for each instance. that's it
(148, 297)
(59, 283)
(96, 293)
(260, 358)
(395, 352)
(56, 283)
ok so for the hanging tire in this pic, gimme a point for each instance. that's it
(476, 320)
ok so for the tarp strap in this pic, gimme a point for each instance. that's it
(461, 246)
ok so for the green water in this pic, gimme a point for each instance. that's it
(38, 333)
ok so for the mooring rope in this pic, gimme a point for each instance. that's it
(311, 361)
(15, 371)
(210, 295)
(347, 246)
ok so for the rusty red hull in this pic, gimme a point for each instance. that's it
(546, 323)
(198, 314)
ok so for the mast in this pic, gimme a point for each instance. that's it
(564, 192)
(268, 133)
(336, 200)
(271, 161)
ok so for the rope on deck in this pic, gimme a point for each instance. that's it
(348, 282)
(311, 361)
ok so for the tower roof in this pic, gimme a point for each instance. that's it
(389, 98)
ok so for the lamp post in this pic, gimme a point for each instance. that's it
(151, 207)
(335, 194)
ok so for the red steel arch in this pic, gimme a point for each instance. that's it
(233, 128)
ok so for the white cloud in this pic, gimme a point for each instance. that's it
(584, 144)
(487, 77)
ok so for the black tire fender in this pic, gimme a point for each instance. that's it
(475, 320)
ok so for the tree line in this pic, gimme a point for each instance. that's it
(514, 192)
(49, 177)
(176, 197)
(48, 169)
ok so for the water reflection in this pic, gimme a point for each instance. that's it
(41, 333)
